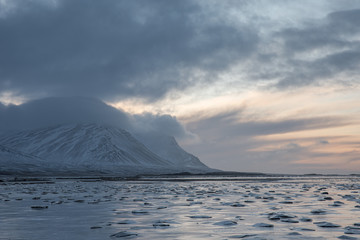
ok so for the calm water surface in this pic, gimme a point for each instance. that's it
(214, 208)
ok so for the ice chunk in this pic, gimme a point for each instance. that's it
(39, 207)
(200, 216)
(327, 224)
(267, 225)
(226, 223)
(124, 234)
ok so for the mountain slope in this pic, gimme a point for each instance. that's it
(91, 147)
(168, 148)
(16, 161)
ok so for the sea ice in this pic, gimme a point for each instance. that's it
(347, 237)
(243, 236)
(327, 224)
(318, 211)
(352, 230)
(200, 216)
(123, 234)
(226, 223)
(265, 225)
(166, 216)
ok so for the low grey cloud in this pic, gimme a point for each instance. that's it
(245, 142)
(231, 124)
(155, 123)
(73, 110)
(323, 141)
(114, 49)
(53, 111)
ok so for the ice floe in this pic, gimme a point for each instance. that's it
(99, 209)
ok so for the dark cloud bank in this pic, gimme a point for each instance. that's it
(114, 49)
(72, 110)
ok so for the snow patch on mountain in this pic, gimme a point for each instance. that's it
(168, 148)
(16, 161)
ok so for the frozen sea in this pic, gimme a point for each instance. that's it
(302, 207)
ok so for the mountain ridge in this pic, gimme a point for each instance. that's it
(89, 147)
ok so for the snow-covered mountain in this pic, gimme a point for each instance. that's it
(94, 148)
(16, 161)
(168, 148)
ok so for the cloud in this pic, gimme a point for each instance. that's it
(115, 49)
(323, 141)
(166, 124)
(292, 146)
(321, 51)
(146, 49)
(53, 111)
(235, 140)
(2, 107)
(232, 123)
(72, 110)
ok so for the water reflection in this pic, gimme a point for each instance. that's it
(296, 207)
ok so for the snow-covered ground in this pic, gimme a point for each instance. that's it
(296, 208)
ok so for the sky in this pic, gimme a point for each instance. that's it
(245, 85)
